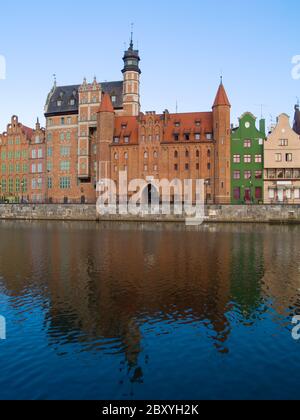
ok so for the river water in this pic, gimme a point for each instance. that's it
(145, 311)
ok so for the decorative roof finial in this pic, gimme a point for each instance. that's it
(54, 78)
(221, 79)
(131, 36)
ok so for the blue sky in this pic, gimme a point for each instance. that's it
(184, 46)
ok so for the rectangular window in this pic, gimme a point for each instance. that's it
(258, 174)
(247, 159)
(278, 157)
(297, 193)
(18, 185)
(3, 168)
(33, 154)
(3, 155)
(116, 140)
(11, 185)
(258, 158)
(40, 153)
(40, 168)
(65, 183)
(176, 167)
(3, 185)
(247, 175)
(289, 157)
(236, 159)
(247, 144)
(65, 166)
(65, 151)
(49, 166)
(296, 173)
(236, 175)
(33, 168)
(197, 136)
(50, 151)
(50, 183)
(25, 168)
(283, 142)
(24, 185)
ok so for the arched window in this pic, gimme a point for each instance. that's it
(155, 154)
(208, 153)
(187, 153)
(116, 156)
(146, 155)
(176, 154)
(197, 154)
(126, 156)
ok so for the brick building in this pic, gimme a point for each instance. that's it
(22, 163)
(94, 130)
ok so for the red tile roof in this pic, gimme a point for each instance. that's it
(221, 98)
(106, 104)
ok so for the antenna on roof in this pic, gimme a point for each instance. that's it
(54, 79)
(262, 106)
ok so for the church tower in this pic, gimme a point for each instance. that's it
(221, 126)
(131, 83)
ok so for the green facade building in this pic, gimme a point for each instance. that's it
(247, 161)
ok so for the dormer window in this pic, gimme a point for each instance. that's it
(198, 136)
(124, 126)
(116, 140)
(126, 139)
(59, 103)
(176, 137)
(177, 124)
(198, 123)
(113, 99)
(187, 136)
(72, 101)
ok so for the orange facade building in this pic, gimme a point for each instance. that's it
(96, 130)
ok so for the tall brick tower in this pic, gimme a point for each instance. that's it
(131, 84)
(105, 132)
(221, 126)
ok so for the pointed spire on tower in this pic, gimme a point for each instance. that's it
(131, 37)
(106, 104)
(37, 125)
(221, 98)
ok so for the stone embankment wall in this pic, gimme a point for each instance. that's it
(220, 214)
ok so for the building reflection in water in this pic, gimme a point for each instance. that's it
(103, 285)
